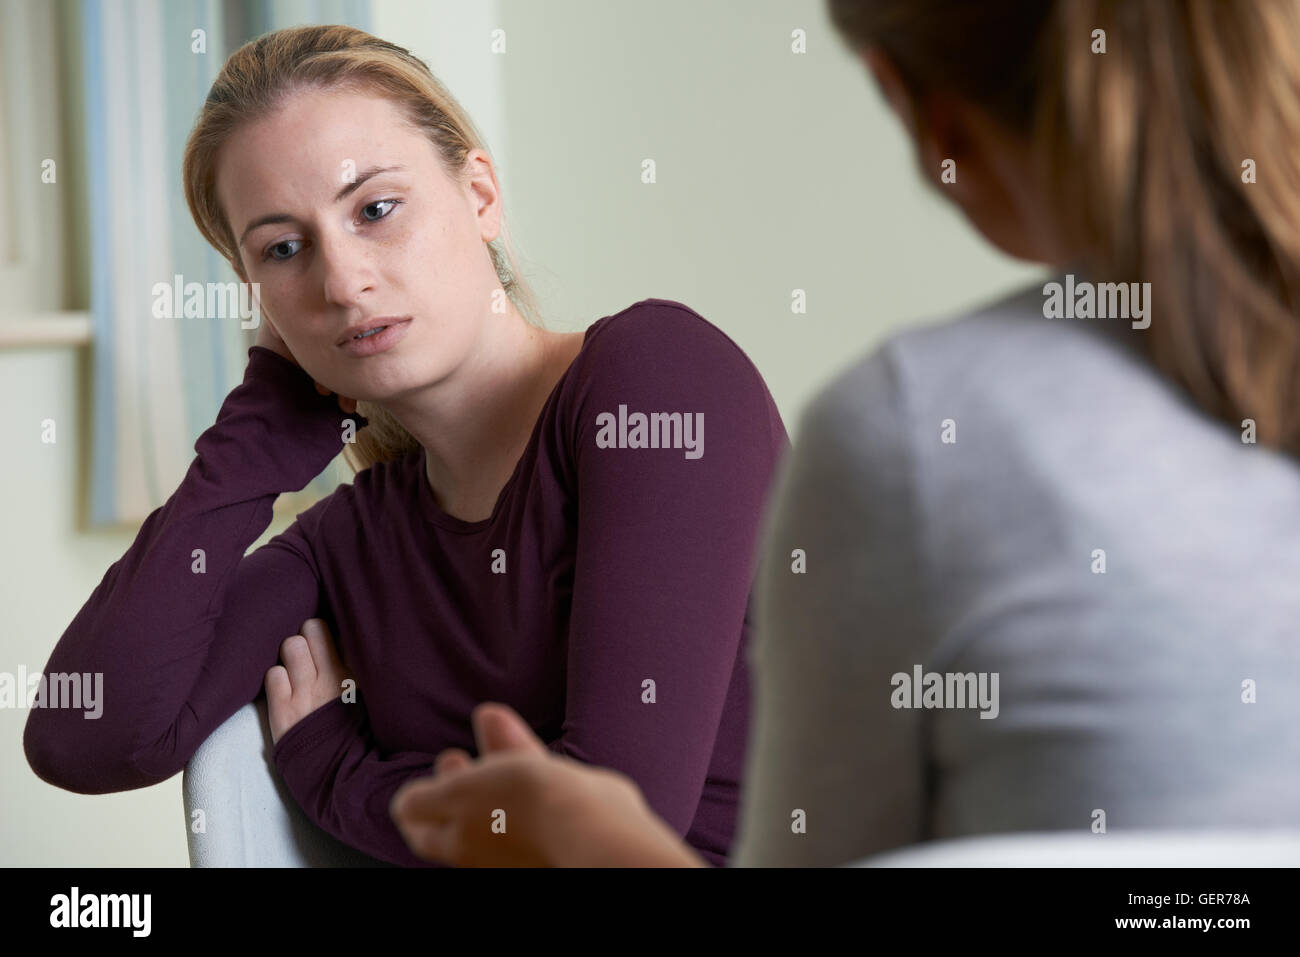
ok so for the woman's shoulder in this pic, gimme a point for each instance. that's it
(660, 338)
(991, 359)
(660, 356)
(655, 319)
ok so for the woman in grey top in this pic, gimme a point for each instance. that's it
(1034, 569)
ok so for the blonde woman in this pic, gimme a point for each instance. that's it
(1089, 520)
(536, 517)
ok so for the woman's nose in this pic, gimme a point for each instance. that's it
(347, 273)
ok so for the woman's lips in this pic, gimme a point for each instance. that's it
(377, 342)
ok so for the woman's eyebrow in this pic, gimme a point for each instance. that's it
(342, 194)
(364, 175)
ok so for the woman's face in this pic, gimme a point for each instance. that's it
(344, 214)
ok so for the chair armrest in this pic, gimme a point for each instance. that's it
(249, 818)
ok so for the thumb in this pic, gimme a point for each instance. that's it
(498, 727)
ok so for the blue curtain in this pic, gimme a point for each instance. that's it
(159, 382)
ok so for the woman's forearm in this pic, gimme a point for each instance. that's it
(180, 630)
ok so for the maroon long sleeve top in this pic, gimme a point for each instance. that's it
(606, 599)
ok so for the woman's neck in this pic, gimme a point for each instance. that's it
(475, 425)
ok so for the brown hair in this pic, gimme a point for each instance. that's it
(259, 77)
(1148, 142)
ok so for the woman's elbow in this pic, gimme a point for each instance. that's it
(75, 757)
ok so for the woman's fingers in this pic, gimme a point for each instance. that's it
(498, 727)
(324, 652)
(430, 841)
(310, 677)
(297, 657)
(278, 687)
(451, 760)
(347, 404)
(423, 801)
(279, 698)
(452, 817)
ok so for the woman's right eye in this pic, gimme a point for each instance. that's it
(270, 250)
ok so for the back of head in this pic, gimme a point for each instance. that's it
(1172, 132)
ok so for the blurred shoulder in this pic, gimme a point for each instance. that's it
(1000, 354)
(996, 355)
(865, 415)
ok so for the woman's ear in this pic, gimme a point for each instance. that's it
(485, 191)
(986, 175)
(935, 122)
(891, 85)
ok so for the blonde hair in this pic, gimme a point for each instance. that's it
(1147, 143)
(259, 77)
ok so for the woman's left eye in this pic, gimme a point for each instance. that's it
(389, 204)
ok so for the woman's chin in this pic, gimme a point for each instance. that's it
(373, 396)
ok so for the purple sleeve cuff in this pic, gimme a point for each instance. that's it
(296, 384)
(326, 722)
(334, 740)
(274, 428)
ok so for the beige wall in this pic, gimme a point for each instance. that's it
(48, 568)
(775, 171)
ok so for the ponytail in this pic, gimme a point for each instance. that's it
(1179, 149)
(1176, 153)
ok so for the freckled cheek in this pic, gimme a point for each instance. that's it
(434, 260)
(424, 254)
(289, 312)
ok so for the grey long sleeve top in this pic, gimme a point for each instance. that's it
(1027, 497)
